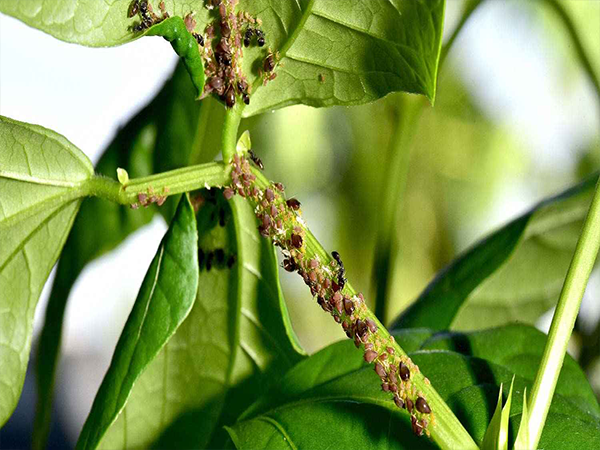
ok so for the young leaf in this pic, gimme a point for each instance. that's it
(165, 299)
(234, 344)
(94, 24)
(42, 176)
(485, 285)
(522, 440)
(496, 436)
(345, 53)
(174, 30)
(160, 137)
(333, 399)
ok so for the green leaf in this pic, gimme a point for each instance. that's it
(234, 344)
(91, 23)
(345, 53)
(174, 30)
(522, 439)
(160, 137)
(485, 286)
(496, 435)
(333, 399)
(165, 299)
(42, 178)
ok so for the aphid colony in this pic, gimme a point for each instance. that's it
(222, 64)
(150, 197)
(280, 220)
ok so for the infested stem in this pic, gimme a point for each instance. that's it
(233, 116)
(163, 184)
(443, 426)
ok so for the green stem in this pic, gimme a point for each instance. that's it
(574, 36)
(447, 431)
(408, 113)
(563, 321)
(166, 183)
(230, 130)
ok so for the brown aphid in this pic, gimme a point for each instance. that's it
(273, 210)
(216, 84)
(143, 199)
(379, 370)
(225, 29)
(404, 371)
(383, 357)
(368, 346)
(134, 206)
(348, 306)
(133, 8)
(269, 195)
(269, 63)
(393, 378)
(372, 325)
(279, 187)
(312, 276)
(293, 204)
(393, 388)
(385, 387)
(409, 405)
(422, 406)
(210, 31)
(370, 356)
(416, 426)
(297, 240)
(390, 350)
(321, 78)
(326, 283)
(230, 97)
(398, 401)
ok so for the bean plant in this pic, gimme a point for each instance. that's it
(208, 357)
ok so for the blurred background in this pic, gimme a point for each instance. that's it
(515, 120)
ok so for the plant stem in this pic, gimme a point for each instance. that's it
(574, 36)
(162, 184)
(408, 111)
(563, 321)
(446, 430)
(233, 116)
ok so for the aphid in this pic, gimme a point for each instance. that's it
(321, 78)
(245, 98)
(225, 29)
(279, 187)
(393, 378)
(134, 206)
(416, 426)
(230, 97)
(200, 257)
(422, 406)
(199, 39)
(404, 371)
(398, 401)
(370, 356)
(260, 37)
(133, 8)
(222, 9)
(256, 160)
(209, 259)
(372, 326)
(289, 265)
(228, 193)
(409, 405)
(393, 388)
(231, 261)
(341, 275)
(269, 63)
(220, 256)
(385, 387)
(293, 204)
(379, 370)
(296, 240)
(248, 36)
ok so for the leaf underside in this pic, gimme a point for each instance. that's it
(41, 174)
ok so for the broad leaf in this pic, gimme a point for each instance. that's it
(91, 23)
(515, 274)
(346, 52)
(41, 182)
(333, 399)
(162, 136)
(236, 341)
(165, 299)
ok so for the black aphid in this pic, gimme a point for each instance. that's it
(422, 406)
(230, 97)
(199, 38)
(248, 36)
(293, 203)
(256, 160)
(231, 261)
(209, 260)
(404, 371)
(289, 265)
(297, 240)
(133, 8)
(260, 35)
(220, 256)
(269, 63)
(200, 257)
(342, 273)
(398, 401)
